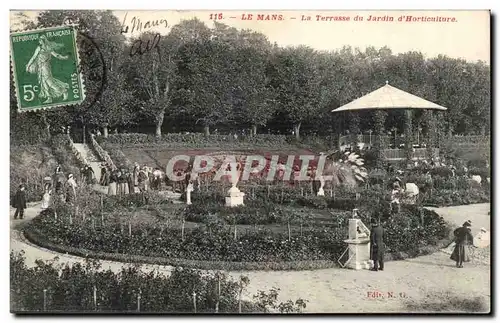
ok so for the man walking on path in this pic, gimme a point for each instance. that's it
(20, 202)
(377, 247)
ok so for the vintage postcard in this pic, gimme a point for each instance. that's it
(250, 162)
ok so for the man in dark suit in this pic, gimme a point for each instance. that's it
(377, 247)
(20, 202)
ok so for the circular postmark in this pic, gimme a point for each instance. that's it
(91, 63)
(93, 67)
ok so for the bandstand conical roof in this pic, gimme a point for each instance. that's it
(389, 97)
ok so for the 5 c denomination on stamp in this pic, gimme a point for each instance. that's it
(45, 66)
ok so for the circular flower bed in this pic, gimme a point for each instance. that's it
(289, 240)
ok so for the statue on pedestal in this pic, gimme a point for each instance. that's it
(235, 197)
(189, 189)
(321, 191)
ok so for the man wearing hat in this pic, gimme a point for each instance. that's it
(20, 202)
(377, 246)
(463, 239)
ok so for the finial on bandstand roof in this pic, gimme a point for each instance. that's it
(386, 82)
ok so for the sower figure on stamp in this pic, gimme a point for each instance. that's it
(39, 64)
(20, 202)
(463, 240)
(377, 247)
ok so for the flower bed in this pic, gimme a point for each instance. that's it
(447, 197)
(217, 242)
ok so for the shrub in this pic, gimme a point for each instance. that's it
(28, 166)
(197, 140)
(71, 288)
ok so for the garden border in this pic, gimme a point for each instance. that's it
(34, 236)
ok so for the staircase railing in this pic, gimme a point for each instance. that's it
(103, 154)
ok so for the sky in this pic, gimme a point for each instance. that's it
(468, 37)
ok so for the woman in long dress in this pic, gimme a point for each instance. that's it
(463, 240)
(71, 189)
(113, 178)
(39, 64)
(46, 196)
(125, 181)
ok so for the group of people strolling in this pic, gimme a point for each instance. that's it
(122, 181)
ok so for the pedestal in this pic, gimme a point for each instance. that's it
(235, 197)
(321, 191)
(358, 245)
(189, 189)
(359, 254)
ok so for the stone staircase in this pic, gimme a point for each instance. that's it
(93, 159)
(90, 157)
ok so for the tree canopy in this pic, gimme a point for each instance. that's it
(201, 77)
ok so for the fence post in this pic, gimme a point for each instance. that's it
(45, 300)
(194, 301)
(218, 294)
(289, 231)
(70, 218)
(129, 228)
(95, 298)
(182, 229)
(55, 215)
(235, 232)
(139, 301)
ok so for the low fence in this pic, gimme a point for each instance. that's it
(417, 153)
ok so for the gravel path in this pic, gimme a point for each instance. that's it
(428, 283)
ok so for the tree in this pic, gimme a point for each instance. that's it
(101, 51)
(254, 98)
(295, 81)
(152, 70)
(206, 88)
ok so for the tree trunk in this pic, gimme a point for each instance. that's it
(105, 131)
(47, 129)
(296, 129)
(379, 118)
(408, 135)
(206, 130)
(46, 124)
(254, 130)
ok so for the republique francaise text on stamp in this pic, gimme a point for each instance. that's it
(45, 68)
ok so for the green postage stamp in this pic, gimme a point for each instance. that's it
(46, 71)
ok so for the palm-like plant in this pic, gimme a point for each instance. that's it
(348, 170)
